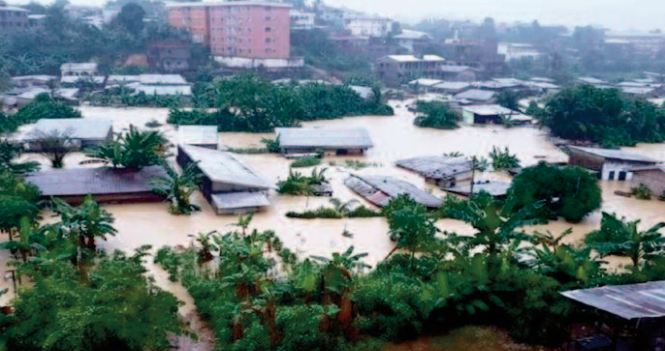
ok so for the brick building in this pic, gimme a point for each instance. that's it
(170, 55)
(238, 33)
(13, 18)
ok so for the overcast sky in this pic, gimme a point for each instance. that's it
(617, 14)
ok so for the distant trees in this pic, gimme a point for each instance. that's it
(603, 116)
(131, 18)
(508, 99)
(43, 106)
(568, 192)
(253, 104)
(436, 114)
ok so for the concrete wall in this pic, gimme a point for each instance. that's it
(653, 179)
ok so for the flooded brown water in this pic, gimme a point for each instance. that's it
(394, 138)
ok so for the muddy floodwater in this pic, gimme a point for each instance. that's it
(394, 138)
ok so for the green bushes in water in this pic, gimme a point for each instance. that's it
(498, 276)
(436, 114)
(298, 184)
(641, 192)
(603, 116)
(251, 104)
(306, 162)
(338, 210)
(42, 107)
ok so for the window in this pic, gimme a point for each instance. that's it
(610, 176)
(622, 175)
(268, 29)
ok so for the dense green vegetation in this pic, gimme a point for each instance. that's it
(177, 189)
(603, 116)
(319, 51)
(568, 192)
(499, 276)
(298, 184)
(306, 162)
(127, 97)
(436, 114)
(43, 106)
(252, 104)
(503, 159)
(134, 149)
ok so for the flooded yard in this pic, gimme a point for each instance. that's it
(394, 138)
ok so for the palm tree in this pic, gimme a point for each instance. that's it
(55, 146)
(503, 159)
(178, 189)
(134, 150)
(623, 238)
(84, 223)
(244, 222)
(561, 261)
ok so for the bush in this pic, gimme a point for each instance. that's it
(306, 162)
(641, 192)
(43, 106)
(436, 114)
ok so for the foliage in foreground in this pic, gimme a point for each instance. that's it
(178, 189)
(134, 149)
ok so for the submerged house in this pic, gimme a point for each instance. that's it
(79, 132)
(492, 114)
(494, 188)
(379, 190)
(104, 184)
(203, 136)
(653, 177)
(228, 184)
(637, 311)
(609, 164)
(443, 171)
(298, 141)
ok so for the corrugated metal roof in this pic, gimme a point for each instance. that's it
(489, 110)
(475, 94)
(379, 190)
(198, 135)
(239, 200)
(614, 154)
(224, 167)
(496, 189)
(324, 138)
(74, 128)
(436, 167)
(633, 301)
(95, 181)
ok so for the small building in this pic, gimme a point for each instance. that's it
(609, 164)
(451, 87)
(377, 27)
(169, 55)
(397, 69)
(350, 141)
(476, 96)
(380, 190)
(203, 136)
(494, 188)
(412, 40)
(13, 18)
(82, 80)
(443, 171)
(492, 114)
(424, 84)
(302, 20)
(80, 132)
(638, 313)
(33, 81)
(105, 184)
(228, 184)
(78, 69)
(653, 177)
(457, 73)
(152, 84)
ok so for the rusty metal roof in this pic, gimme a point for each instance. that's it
(633, 301)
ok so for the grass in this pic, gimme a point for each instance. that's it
(332, 213)
(249, 150)
(356, 165)
(306, 162)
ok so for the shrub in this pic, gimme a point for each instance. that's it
(306, 162)
(641, 192)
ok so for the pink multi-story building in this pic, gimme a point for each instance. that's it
(239, 33)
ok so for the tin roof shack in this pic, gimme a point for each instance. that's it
(609, 164)
(379, 190)
(494, 188)
(351, 141)
(493, 114)
(638, 311)
(476, 96)
(653, 177)
(228, 184)
(203, 136)
(105, 184)
(443, 171)
(80, 132)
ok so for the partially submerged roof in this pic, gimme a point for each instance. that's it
(352, 138)
(184, 90)
(614, 154)
(413, 58)
(476, 94)
(95, 181)
(633, 301)
(379, 190)
(591, 80)
(239, 200)
(364, 92)
(82, 79)
(454, 68)
(436, 167)
(496, 189)
(74, 128)
(198, 135)
(224, 167)
(425, 82)
(455, 86)
(489, 110)
(79, 66)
